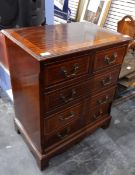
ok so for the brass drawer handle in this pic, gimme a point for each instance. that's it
(105, 101)
(64, 134)
(107, 81)
(74, 72)
(68, 99)
(111, 60)
(98, 116)
(72, 114)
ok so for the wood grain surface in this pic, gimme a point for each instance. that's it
(64, 79)
(49, 41)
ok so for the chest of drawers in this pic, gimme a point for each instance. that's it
(64, 79)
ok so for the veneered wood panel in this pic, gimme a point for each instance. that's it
(38, 108)
(25, 72)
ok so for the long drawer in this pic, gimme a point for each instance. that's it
(62, 97)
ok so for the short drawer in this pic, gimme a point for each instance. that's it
(66, 70)
(105, 80)
(108, 58)
(62, 135)
(64, 96)
(97, 113)
(62, 119)
(102, 98)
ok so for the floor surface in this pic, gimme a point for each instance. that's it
(106, 152)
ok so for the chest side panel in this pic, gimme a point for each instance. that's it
(24, 72)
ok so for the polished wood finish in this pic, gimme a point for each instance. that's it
(62, 97)
(62, 39)
(104, 97)
(63, 134)
(97, 114)
(108, 58)
(66, 70)
(62, 119)
(64, 79)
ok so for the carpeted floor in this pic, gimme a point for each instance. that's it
(106, 152)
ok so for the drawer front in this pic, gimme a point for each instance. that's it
(105, 80)
(62, 135)
(64, 96)
(97, 113)
(62, 119)
(102, 98)
(108, 58)
(64, 71)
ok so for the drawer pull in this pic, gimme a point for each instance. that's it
(64, 134)
(69, 117)
(105, 101)
(67, 99)
(107, 81)
(74, 72)
(112, 60)
(99, 115)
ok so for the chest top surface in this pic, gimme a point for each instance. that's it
(45, 42)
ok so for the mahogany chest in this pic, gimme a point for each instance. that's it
(64, 78)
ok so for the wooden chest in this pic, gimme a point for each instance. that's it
(64, 79)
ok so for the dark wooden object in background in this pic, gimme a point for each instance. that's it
(3, 53)
(127, 26)
(64, 79)
(127, 76)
